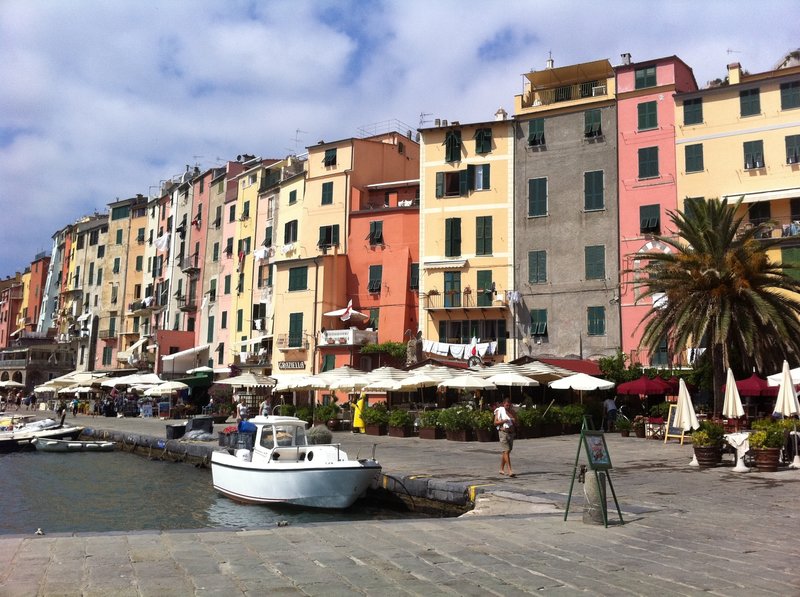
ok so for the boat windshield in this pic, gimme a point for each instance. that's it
(283, 435)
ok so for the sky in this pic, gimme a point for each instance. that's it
(102, 100)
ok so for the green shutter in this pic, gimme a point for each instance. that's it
(292, 197)
(648, 115)
(448, 237)
(694, 157)
(537, 267)
(470, 178)
(538, 322)
(328, 362)
(295, 329)
(595, 257)
(335, 235)
(327, 193)
(593, 190)
(537, 197)
(375, 278)
(323, 236)
(596, 321)
(239, 320)
(483, 235)
(440, 184)
(268, 237)
(414, 277)
(693, 111)
(463, 182)
(536, 132)
(486, 178)
(210, 330)
(485, 295)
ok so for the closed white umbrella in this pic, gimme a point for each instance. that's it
(786, 404)
(685, 417)
(732, 406)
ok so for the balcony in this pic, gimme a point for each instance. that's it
(349, 337)
(145, 306)
(463, 300)
(786, 227)
(13, 363)
(190, 264)
(187, 303)
(108, 334)
(565, 93)
(285, 342)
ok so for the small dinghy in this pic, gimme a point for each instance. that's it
(57, 445)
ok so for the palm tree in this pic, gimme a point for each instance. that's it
(721, 289)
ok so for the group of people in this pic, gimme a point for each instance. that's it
(17, 399)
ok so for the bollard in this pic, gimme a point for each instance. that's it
(595, 509)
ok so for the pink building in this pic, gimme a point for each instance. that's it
(647, 179)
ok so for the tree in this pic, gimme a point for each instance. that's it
(721, 290)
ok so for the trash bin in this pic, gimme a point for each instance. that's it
(176, 430)
(200, 423)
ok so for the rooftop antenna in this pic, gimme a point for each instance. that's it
(423, 120)
(297, 133)
(729, 51)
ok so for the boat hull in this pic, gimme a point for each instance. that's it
(57, 445)
(327, 485)
(21, 439)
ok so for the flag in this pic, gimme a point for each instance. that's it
(346, 315)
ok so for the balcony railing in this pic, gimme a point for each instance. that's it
(190, 263)
(463, 300)
(565, 93)
(785, 227)
(187, 303)
(291, 342)
(107, 334)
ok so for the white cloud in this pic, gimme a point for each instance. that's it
(105, 99)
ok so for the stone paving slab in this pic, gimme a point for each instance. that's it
(687, 532)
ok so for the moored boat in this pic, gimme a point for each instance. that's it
(282, 467)
(44, 444)
(20, 431)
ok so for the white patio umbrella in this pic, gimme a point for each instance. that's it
(382, 385)
(416, 381)
(349, 384)
(137, 379)
(787, 404)
(11, 384)
(203, 369)
(775, 378)
(166, 388)
(347, 313)
(385, 379)
(45, 389)
(512, 379)
(249, 380)
(467, 382)
(581, 382)
(732, 406)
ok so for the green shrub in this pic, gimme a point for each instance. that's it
(700, 439)
(429, 419)
(529, 417)
(400, 418)
(715, 431)
(376, 414)
(553, 415)
(326, 412)
(304, 413)
(623, 425)
(762, 424)
(456, 418)
(769, 436)
(319, 434)
(483, 419)
(572, 414)
(660, 410)
(287, 410)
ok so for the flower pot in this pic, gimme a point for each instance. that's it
(625, 433)
(486, 435)
(708, 456)
(459, 435)
(376, 429)
(405, 431)
(333, 424)
(639, 431)
(766, 459)
(431, 433)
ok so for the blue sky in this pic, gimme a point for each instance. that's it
(103, 100)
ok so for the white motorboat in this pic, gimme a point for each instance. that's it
(18, 431)
(44, 444)
(282, 467)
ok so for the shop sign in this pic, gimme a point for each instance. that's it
(291, 365)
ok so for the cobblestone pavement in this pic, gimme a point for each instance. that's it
(687, 531)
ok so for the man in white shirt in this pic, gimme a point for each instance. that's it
(505, 420)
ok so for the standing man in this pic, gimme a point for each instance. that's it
(263, 408)
(611, 413)
(506, 421)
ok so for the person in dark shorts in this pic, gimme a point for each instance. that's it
(506, 421)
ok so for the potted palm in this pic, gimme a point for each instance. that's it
(376, 419)
(623, 426)
(429, 427)
(401, 423)
(766, 443)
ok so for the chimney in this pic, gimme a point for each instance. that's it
(500, 114)
(734, 73)
(549, 64)
(626, 59)
(437, 122)
(444, 122)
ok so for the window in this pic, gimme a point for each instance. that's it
(591, 124)
(645, 77)
(269, 275)
(101, 251)
(648, 162)
(107, 350)
(215, 252)
(119, 213)
(452, 184)
(538, 322)
(229, 246)
(268, 237)
(595, 257)
(239, 320)
(223, 324)
(246, 210)
(483, 140)
(290, 232)
(452, 237)
(330, 157)
(292, 197)
(750, 102)
(375, 236)
(483, 235)
(99, 276)
(375, 278)
(753, 154)
(413, 283)
(139, 262)
(327, 193)
(243, 246)
(791, 256)
(298, 278)
(759, 212)
(537, 197)
(210, 330)
(485, 288)
(648, 115)
(537, 267)
(116, 265)
(227, 284)
(597, 321)
(452, 143)
(218, 221)
(693, 111)
(478, 177)
(328, 236)
(81, 241)
(793, 149)
(650, 219)
(790, 95)
(212, 290)
(90, 278)
(295, 330)
(694, 157)
(328, 362)
(119, 236)
(374, 318)
(232, 213)
(593, 191)
(452, 289)
(536, 132)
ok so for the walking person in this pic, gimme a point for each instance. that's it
(263, 408)
(610, 406)
(506, 421)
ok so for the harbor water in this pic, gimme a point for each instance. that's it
(115, 491)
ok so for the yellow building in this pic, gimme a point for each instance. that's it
(741, 139)
(466, 239)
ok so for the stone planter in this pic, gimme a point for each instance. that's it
(459, 435)
(376, 429)
(333, 424)
(549, 429)
(431, 433)
(708, 456)
(766, 459)
(407, 431)
(486, 435)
